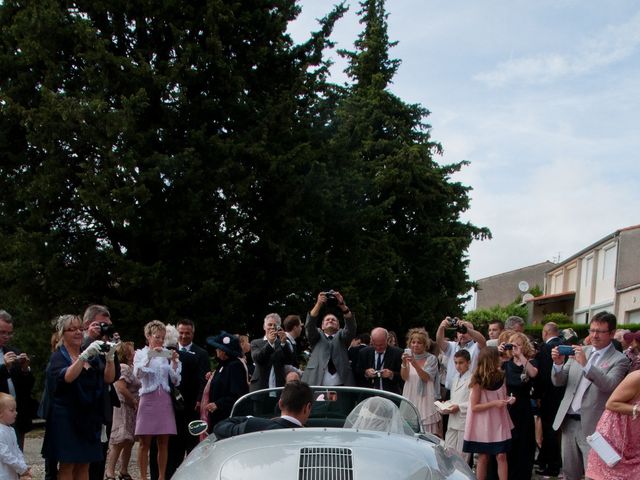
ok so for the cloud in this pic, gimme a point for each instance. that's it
(612, 45)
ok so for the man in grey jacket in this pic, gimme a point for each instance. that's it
(590, 375)
(329, 360)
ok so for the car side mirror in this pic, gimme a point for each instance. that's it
(197, 427)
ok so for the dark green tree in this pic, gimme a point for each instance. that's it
(403, 243)
(158, 157)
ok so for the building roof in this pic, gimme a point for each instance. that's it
(592, 246)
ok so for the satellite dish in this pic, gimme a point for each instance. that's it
(523, 286)
(527, 297)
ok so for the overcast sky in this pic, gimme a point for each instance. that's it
(542, 97)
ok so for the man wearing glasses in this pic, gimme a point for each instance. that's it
(97, 325)
(15, 377)
(590, 375)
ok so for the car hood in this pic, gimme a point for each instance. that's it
(321, 453)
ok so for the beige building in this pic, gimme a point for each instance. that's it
(505, 288)
(603, 276)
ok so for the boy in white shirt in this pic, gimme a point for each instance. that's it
(12, 464)
(459, 402)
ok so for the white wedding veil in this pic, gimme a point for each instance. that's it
(379, 414)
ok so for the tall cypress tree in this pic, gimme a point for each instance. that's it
(405, 238)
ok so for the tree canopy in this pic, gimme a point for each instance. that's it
(188, 158)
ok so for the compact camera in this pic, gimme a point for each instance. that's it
(566, 350)
(457, 324)
(378, 373)
(106, 329)
(507, 346)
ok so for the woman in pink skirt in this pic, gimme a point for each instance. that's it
(488, 428)
(155, 367)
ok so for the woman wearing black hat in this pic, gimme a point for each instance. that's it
(228, 382)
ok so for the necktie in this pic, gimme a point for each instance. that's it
(379, 361)
(576, 404)
(331, 367)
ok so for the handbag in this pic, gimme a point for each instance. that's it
(604, 449)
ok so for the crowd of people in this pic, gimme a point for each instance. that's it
(505, 403)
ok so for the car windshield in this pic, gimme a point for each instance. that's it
(331, 406)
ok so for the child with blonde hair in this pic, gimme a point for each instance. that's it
(488, 428)
(12, 464)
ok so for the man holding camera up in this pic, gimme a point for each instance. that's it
(467, 339)
(270, 354)
(97, 324)
(329, 360)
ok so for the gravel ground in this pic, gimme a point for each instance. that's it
(33, 445)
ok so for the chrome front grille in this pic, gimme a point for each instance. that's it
(325, 463)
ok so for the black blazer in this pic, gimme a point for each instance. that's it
(23, 384)
(549, 395)
(264, 357)
(392, 360)
(238, 425)
(204, 366)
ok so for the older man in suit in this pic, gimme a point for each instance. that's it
(329, 360)
(15, 377)
(379, 364)
(295, 406)
(270, 354)
(590, 375)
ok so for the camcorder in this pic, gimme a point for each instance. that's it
(457, 324)
(106, 329)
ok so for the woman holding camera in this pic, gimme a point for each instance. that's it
(520, 367)
(155, 366)
(419, 371)
(74, 415)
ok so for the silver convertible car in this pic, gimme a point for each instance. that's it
(333, 446)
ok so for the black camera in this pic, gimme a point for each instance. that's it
(106, 329)
(456, 323)
(106, 346)
(507, 346)
(331, 297)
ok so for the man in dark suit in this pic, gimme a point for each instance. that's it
(379, 364)
(329, 361)
(186, 330)
(295, 404)
(548, 397)
(590, 375)
(15, 377)
(292, 326)
(270, 354)
(360, 342)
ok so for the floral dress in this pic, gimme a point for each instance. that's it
(124, 417)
